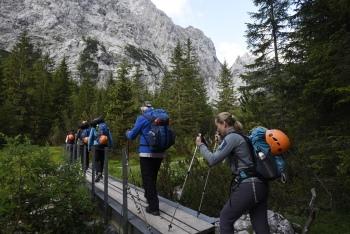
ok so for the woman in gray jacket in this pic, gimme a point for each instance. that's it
(249, 193)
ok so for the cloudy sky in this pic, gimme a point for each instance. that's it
(223, 21)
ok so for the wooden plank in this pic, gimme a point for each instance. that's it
(182, 222)
(169, 210)
(156, 222)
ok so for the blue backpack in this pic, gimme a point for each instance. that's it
(267, 166)
(161, 136)
(84, 133)
(101, 129)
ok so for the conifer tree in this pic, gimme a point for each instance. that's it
(88, 95)
(319, 64)
(266, 38)
(41, 112)
(194, 88)
(17, 90)
(227, 100)
(139, 84)
(187, 97)
(122, 107)
(61, 94)
(163, 96)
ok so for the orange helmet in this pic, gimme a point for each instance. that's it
(103, 139)
(278, 141)
(71, 137)
(86, 140)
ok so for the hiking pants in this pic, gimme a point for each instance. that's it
(149, 172)
(81, 154)
(99, 158)
(72, 152)
(250, 196)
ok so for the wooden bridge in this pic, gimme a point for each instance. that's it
(122, 205)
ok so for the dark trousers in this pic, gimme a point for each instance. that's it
(82, 156)
(246, 196)
(149, 173)
(99, 158)
(72, 152)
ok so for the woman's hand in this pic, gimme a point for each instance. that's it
(198, 140)
(218, 138)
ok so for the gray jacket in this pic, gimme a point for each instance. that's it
(230, 145)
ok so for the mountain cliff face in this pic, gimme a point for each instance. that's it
(134, 29)
(238, 68)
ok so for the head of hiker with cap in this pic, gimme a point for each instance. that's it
(150, 161)
(146, 105)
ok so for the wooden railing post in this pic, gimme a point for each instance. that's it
(105, 186)
(125, 192)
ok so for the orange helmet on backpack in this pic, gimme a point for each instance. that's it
(278, 141)
(86, 140)
(71, 137)
(103, 139)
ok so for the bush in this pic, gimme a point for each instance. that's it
(39, 195)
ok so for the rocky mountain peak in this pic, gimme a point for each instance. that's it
(132, 28)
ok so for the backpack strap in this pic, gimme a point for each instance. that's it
(150, 118)
(250, 171)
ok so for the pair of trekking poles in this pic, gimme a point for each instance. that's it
(184, 184)
(137, 201)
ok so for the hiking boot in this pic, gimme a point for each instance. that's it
(98, 177)
(148, 210)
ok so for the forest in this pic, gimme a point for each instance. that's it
(299, 83)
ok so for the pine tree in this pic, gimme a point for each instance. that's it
(139, 84)
(195, 90)
(122, 106)
(17, 90)
(319, 63)
(187, 95)
(61, 95)
(227, 100)
(89, 97)
(41, 112)
(265, 79)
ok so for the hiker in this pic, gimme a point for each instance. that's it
(99, 136)
(250, 193)
(82, 137)
(70, 143)
(149, 161)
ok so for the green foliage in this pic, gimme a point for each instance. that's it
(17, 91)
(306, 98)
(121, 107)
(322, 221)
(227, 98)
(39, 195)
(185, 96)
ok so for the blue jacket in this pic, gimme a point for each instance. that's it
(141, 127)
(94, 141)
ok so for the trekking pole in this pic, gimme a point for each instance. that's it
(183, 186)
(203, 192)
(205, 184)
